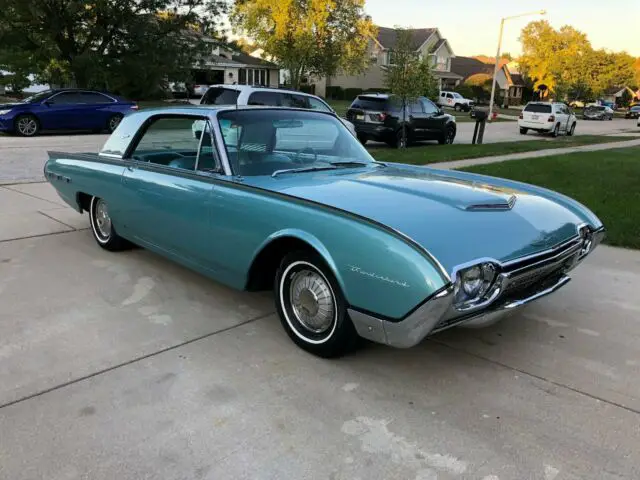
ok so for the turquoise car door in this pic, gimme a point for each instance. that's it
(168, 189)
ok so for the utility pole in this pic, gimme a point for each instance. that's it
(496, 66)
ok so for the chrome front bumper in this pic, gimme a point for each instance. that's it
(438, 313)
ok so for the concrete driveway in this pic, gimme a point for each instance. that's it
(22, 159)
(127, 366)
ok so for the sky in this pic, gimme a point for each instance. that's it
(472, 26)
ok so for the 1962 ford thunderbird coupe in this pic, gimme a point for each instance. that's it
(288, 199)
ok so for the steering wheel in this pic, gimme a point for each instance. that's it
(311, 150)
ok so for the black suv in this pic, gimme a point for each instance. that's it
(378, 117)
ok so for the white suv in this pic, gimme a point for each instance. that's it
(276, 97)
(455, 101)
(545, 117)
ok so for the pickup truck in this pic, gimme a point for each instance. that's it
(455, 100)
(288, 200)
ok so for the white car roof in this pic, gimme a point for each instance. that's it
(252, 88)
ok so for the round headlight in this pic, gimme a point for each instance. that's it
(473, 283)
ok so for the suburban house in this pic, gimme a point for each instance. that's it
(615, 94)
(509, 82)
(428, 43)
(225, 64)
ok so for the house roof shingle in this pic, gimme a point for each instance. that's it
(387, 36)
(469, 66)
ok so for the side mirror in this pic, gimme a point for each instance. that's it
(48, 103)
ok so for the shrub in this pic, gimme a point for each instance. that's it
(351, 93)
(335, 93)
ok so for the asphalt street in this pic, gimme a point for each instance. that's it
(126, 366)
(22, 159)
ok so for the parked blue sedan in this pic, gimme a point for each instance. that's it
(64, 109)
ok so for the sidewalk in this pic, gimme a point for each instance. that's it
(536, 154)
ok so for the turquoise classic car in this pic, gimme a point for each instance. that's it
(289, 200)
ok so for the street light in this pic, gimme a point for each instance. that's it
(495, 68)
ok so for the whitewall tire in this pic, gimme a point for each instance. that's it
(102, 226)
(311, 306)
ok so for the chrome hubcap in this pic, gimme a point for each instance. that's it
(27, 126)
(312, 301)
(103, 220)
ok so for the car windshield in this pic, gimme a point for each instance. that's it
(37, 97)
(279, 142)
(538, 108)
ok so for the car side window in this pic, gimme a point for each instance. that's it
(66, 98)
(93, 97)
(265, 98)
(428, 106)
(317, 104)
(295, 101)
(220, 96)
(173, 141)
(416, 107)
(443, 95)
(449, 95)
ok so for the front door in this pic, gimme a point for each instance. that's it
(169, 189)
(435, 119)
(60, 111)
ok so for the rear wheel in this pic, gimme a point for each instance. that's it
(362, 139)
(102, 227)
(457, 107)
(523, 131)
(113, 122)
(26, 125)
(311, 306)
(572, 130)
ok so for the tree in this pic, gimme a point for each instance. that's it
(308, 37)
(408, 76)
(565, 62)
(132, 44)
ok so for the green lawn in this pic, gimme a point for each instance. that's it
(606, 182)
(433, 153)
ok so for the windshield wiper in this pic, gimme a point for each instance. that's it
(302, 169)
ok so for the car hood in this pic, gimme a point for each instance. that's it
(5, 106)
(455, 216)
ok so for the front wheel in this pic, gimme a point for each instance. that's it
(102, 227)
(311, 306)
(27, 126)
(523, 131)
(556, 130)
(572, 130)
(448, 136)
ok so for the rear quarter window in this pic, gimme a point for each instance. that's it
(537, 108)
(220, 96)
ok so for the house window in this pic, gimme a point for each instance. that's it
(253, 76)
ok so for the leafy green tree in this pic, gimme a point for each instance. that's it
(408, 76)
(565, 62)
(131, 45)
(308, 37)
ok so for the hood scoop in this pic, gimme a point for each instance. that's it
(491, 206)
